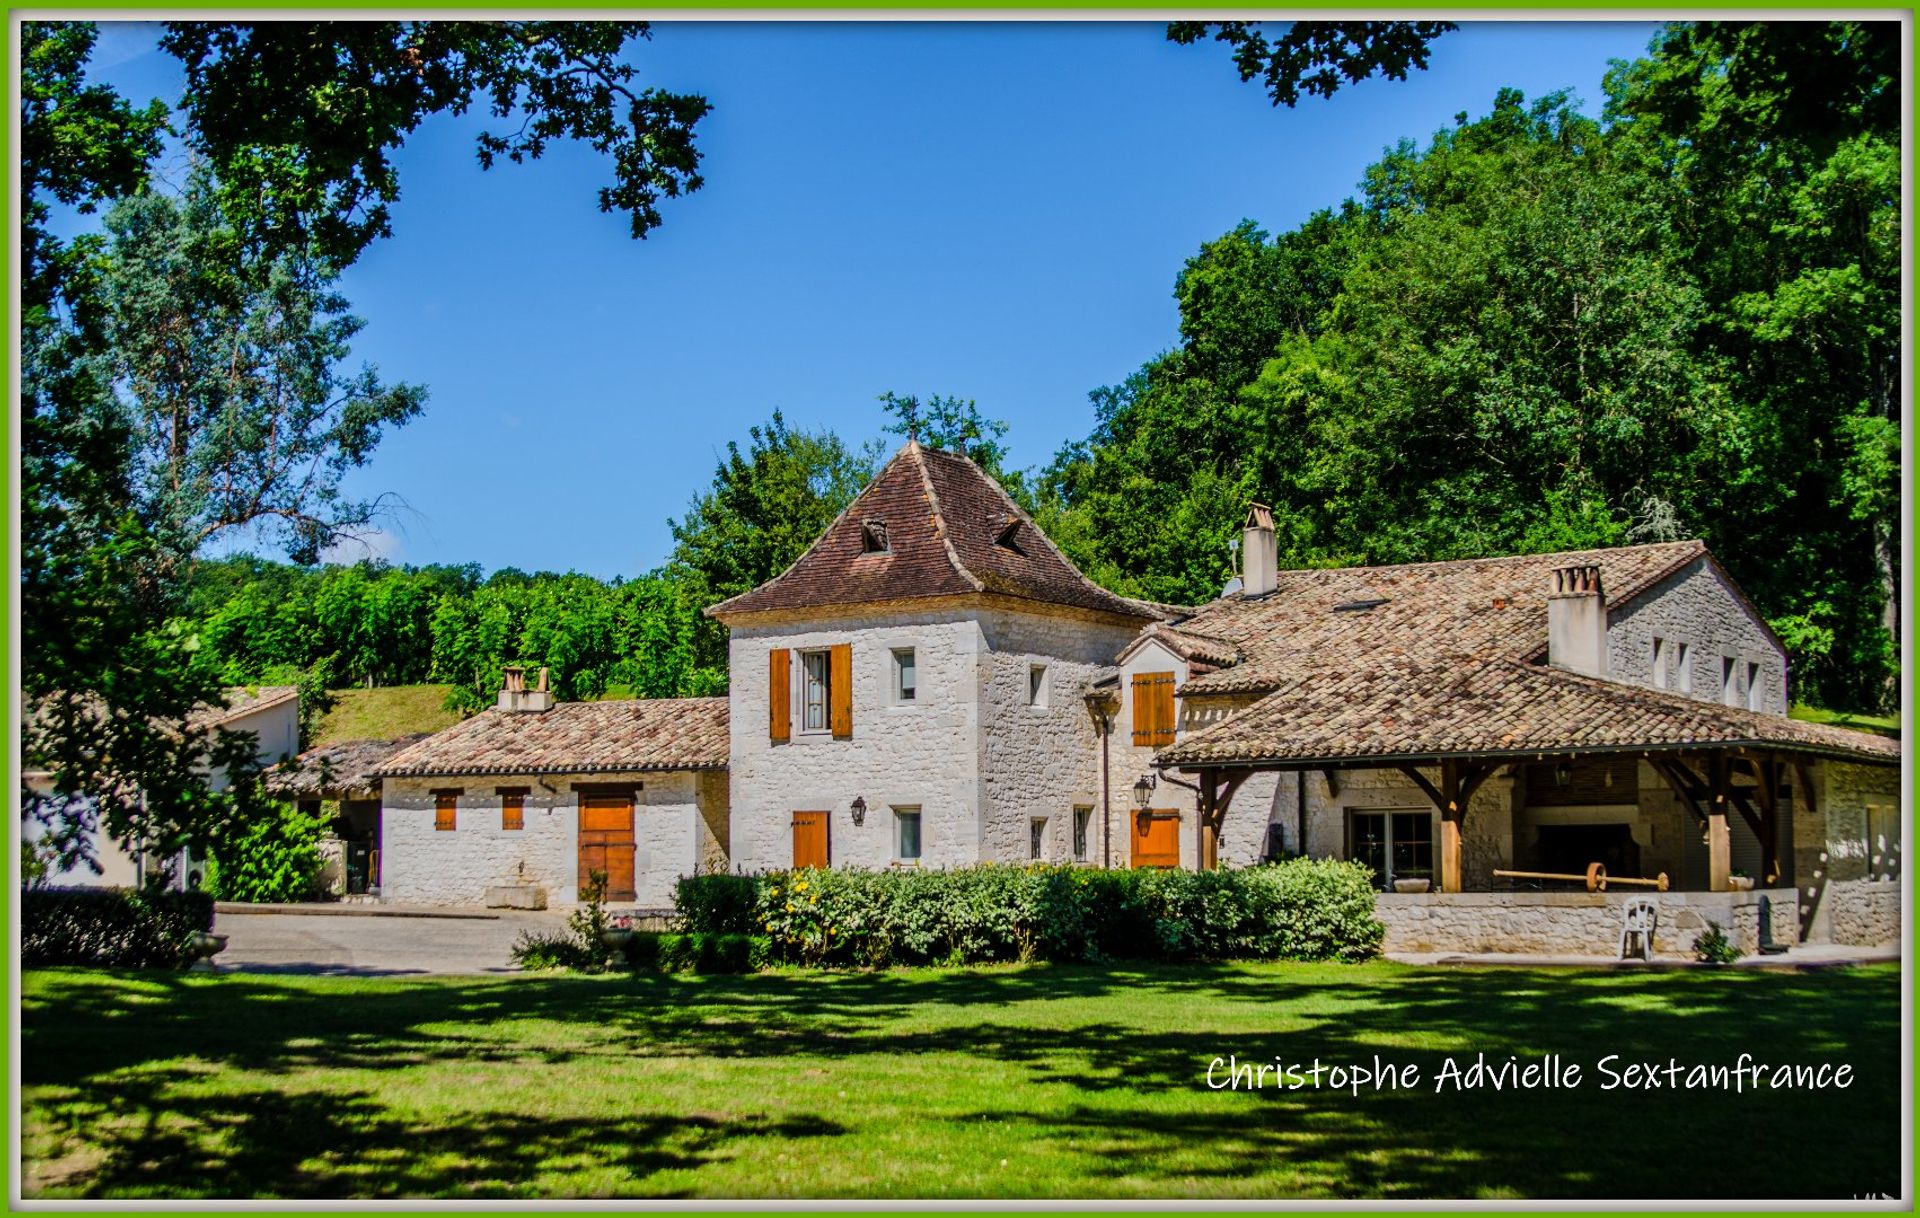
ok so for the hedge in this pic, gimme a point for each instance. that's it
(1300, 909)
(114, 927)
(699, 952)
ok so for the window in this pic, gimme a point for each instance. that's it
(1082, 820)
(1683, 667)
(1037, 839)
(905, 675)
(815, 688)
(1883, 841)
(1037, 685)
(445, 809)
(1659, 662)
(1729, 683)
(1397, 845)
(906, 834)
(873, 537)
(1755, 690)
(513, 808)
(1009, 536)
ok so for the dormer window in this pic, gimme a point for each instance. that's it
(1009, 537)
(873, 537)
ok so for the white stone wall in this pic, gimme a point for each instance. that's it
(1575, 923)
(1864, 913)
(421, 865)
(1695, 606)
(1834, 856)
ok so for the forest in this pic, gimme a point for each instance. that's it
(1539, 330)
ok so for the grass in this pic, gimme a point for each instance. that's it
(1886, 725)
(384, 713)
(1008, 1082)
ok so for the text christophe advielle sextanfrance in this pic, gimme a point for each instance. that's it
(1549, 1073)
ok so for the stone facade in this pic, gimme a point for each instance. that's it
(1575, 923)
(680, 826)
(1698, 607)
(969, 753)
(1863, 913)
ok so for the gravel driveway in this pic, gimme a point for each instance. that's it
(373, 944)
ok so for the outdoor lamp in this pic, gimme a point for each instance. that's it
(1563, 774)
(1143, 790)
(859, 810)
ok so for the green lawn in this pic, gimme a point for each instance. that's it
(384, 713)
(1886, 725)
(1014, 1082)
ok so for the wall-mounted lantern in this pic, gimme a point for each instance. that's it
(1143, 789)
(859, 810)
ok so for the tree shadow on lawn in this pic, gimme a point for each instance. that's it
(1126, 1078)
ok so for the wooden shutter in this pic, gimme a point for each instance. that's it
(1152, 709)
(840, 690)
(513, 808)
(780, 695)
(809, 839)
(445, 809)
(1156, 838)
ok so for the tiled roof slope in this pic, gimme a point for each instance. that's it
(244, 700)
(575, 737)
(1431, 612)
(944, 518)
(1402, 709)
(347, 766)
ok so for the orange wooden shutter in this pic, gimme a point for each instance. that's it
(780, 695)
(513, 810)
(840, 687)
(445, 804)
(809, 839)
(1152, 709)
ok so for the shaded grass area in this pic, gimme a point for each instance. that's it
(1041, 1081)
(1885, 725)
(384, 713)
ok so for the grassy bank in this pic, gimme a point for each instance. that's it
(1012, 1082)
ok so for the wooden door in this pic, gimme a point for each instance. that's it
(809, 839)
(1156, 838)
(606, 842)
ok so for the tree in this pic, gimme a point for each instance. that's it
(1318, 56)
(764, 508)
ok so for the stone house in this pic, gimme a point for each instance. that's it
(521, 803)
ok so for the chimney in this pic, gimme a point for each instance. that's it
(1577, 621)
(1259, 564)
(515, 697)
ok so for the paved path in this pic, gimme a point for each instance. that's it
(373, 946)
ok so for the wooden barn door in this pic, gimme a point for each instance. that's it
(606, 841)
(1156, 838)
(809, 839)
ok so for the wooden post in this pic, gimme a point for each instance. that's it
(1202, 820)
(1719, 844)
(1452, 812)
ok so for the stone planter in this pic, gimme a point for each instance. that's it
(616, 939)
(1412, 886)
(206, 944)
(1740, 883)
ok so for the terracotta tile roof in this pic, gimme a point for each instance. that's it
(1403, 709)
(951, 531)
(334, 771)
(1189, 645)
(1421, 613)
(244, 700)
(575, 737)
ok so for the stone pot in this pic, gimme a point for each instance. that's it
(207, 944)
(616, 939)
(1413, 885)
(1740, 883)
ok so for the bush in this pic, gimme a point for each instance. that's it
(1711, 946)
(716, 904)
(699, 952)
(583, 946)
(1296, 910)
(274, 859)
(551, 949)
(113, 927)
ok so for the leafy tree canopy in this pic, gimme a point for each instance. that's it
(1317, 57)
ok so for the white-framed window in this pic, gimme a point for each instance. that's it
(906, 834)
(1037, 839)
(1729, 681)
(1660, 657)
(1036, 685)
(1683, 667)
(1082, 823)
(906, 675)
(1755, 688)
(816, 690)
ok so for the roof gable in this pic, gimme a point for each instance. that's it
(951, 530)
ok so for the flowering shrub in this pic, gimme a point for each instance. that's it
(1296, 910)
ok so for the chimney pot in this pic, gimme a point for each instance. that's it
(515, 697)
(1259, 557)
(1577, 621)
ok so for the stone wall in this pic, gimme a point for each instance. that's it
(1697, 607)
(1832, 851)
(1864, 913)
(427, 866)
(1486, 840)
(1574, 923)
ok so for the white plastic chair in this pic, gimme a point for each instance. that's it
(1639, 920)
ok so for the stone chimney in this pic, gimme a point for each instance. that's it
(1577, 621)
(516, 698)
(1259, 562)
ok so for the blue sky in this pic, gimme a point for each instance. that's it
(994, 211)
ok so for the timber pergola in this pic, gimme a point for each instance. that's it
(1705, 779)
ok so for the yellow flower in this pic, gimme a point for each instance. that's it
(789, 906)
(800, 887)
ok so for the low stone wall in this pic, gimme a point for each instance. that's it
(1865, 913)
(1575, 923)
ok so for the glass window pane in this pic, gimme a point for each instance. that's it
(909, 834)
(908, 677)
(1081, 817)
(815, 715)
(1370, 844)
